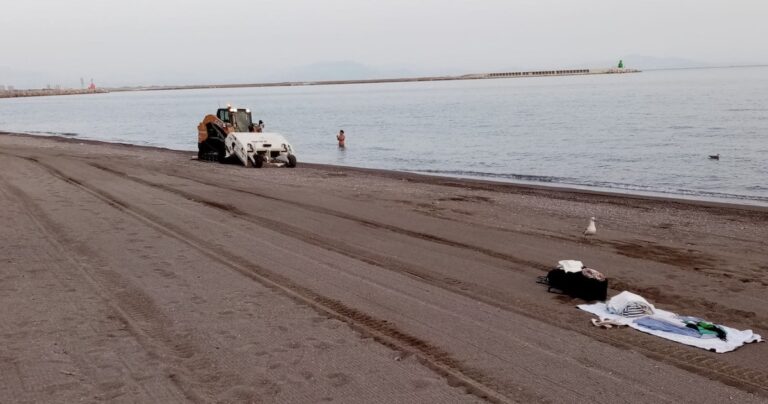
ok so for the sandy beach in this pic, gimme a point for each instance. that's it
(134, 274)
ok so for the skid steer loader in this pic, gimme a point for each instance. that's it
(231, 136)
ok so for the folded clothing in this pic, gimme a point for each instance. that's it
(570, 265)
(707, 328)
(628, 304)
(679, 327)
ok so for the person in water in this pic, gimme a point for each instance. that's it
(341, 138)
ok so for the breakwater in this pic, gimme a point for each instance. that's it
(47, 92)
(473, 76)
(565, 72)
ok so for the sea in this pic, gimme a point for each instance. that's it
(648, 133)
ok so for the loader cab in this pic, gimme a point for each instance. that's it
(238, 118)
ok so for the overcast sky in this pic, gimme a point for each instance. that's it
(140, 42)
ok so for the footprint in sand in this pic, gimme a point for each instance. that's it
(339, 379)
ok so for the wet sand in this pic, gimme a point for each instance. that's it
(134, 274)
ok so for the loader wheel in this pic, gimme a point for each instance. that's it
(291, 161)
(258, 161)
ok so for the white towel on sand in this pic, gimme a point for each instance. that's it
(736, 338)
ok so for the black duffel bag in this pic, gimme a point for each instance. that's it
(587, 284)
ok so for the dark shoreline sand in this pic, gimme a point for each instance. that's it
(140, 274)
(468, 183)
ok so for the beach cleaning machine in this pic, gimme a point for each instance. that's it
(231, 135)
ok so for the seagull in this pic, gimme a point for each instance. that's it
(714, 156)
(591, 229)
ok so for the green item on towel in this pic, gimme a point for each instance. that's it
(706, 328)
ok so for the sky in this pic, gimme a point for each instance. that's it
(163, 42)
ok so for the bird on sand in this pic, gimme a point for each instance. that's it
(591, 229)
(714, 156)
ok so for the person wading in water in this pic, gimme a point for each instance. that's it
(341, 138)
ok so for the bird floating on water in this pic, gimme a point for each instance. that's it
(714, 156)
(591, 229)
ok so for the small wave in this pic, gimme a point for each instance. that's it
(757, 188)
(681, 127)
(479, 174)
(67, 134)
(747, 109)
(606, 185)
(676, 191)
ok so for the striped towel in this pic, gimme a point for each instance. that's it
(636, 309)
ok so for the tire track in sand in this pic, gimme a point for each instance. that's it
(133, 309)
(456, 373)
(747, 379)
(366, 222)
(707, 305)
(618, 247)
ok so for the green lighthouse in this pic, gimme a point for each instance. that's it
(621, 64)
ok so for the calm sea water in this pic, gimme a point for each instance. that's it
(650, 132)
